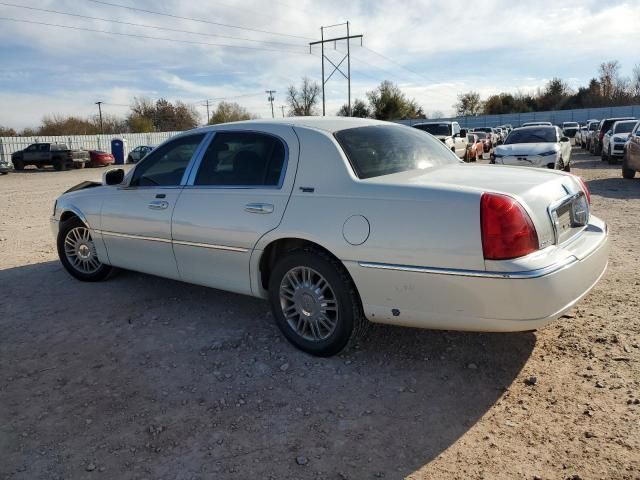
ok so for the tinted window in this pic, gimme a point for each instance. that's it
(381, 150)
(43, 147)
(166, 165)
(242, 158)
(532, 135)
(435, 128)
(59, 146)
(480, 134)
(483, 129)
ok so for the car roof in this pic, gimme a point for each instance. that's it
(328, 124)
(537, 127)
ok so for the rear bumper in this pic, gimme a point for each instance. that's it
(483, 301)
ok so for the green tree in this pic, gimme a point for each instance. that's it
(229, 112)
(388, 102)
(303, 102)
(359, 109)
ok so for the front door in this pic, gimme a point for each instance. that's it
(237, 194)
(136, 218)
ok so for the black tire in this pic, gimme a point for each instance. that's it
(129, 159)
(567, 168)
(4, 173)
(603, 156)
(65, 228)
(78, 165)
(59, 165)
(18, 165)
(611, 159)
(350, 324)
(628, 172)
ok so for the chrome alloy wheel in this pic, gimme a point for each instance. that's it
(80, 250)
(308, 303)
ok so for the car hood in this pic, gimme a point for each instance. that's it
(527, 148)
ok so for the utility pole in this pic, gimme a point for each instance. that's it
(282, 107)
(207, 105)
(100, 112)
(270, 99)
(347, 57)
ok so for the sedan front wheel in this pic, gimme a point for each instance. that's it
(315, 303)
(77, 252)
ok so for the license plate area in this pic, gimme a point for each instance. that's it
(569, 216)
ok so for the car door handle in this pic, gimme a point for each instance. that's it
(158, 205)
(258, 208)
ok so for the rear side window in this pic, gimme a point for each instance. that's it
(166, 165)
(242, 159)
(382, 150)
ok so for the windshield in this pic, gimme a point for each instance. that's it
(435, 128)
(593, 126)
(480, 134)
(532, 135)
(570, 125)
(623, 127)
(482, 129)
(381, 150)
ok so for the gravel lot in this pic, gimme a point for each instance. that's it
(141, 377)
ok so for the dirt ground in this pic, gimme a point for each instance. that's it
(146, 378)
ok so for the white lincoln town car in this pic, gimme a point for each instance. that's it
(338, 222)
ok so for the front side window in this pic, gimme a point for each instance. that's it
(166, 166)
(382, 150)
(242, 159)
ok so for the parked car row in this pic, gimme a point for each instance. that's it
(61, 157)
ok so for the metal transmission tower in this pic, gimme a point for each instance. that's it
(347, 57)
(270, 99)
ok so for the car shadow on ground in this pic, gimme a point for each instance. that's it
(620, 188)
(141, 376)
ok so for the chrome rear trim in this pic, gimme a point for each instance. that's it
(540, 272)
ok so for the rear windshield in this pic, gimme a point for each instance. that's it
(480, 134)
(623, 127)
(532, 135)
(382, 150)
(482, 129)
(570, 125)
(435, 128)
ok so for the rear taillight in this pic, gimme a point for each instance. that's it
(585, 189)
(507, 229)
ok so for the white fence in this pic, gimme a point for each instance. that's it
(8, 145)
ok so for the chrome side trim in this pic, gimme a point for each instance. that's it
(211, 246)
(528, 274)
(174, 242)
(134, 237)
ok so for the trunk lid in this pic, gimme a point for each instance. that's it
(538, 190)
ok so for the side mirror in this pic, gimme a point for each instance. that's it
(610, 132)
(463, 132)
(564, 139)
(113, 177)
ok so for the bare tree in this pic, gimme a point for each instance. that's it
(609, 73)
(469, 104)
(635, 81)
(302, 102)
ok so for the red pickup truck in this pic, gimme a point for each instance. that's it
(59, 155)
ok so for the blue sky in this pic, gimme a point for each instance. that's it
(432, 49)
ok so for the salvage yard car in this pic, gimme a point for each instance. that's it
(614, 139)
(5, 166)
(99, 158)
(59, 155)
(542, 146)
(341, 221)
(448, 133)
(631, 159)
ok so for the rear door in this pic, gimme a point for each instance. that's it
(237, 193)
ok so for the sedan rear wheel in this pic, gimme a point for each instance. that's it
(77, 252)
(315, 302)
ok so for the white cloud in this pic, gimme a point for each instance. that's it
(445, 48)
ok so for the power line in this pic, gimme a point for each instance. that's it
(157, 27)
(148, 37)
(197, 20)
